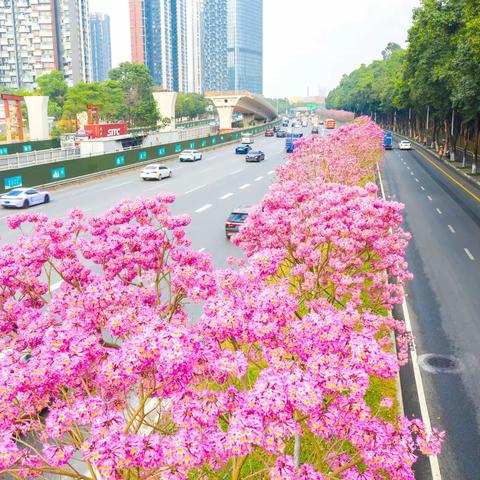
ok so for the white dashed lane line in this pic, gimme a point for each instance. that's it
(429, 197)
(227, 195)
(195, 189)
(451, 229)
(258, 179)
(411, 173)
(469, 255)
(202, 209)
(423, 188)
(237, 171)
(118, 185)
(201, 250)
(416, 180)
(271, 172)
(55, 286)
(439, 211)
(243, 187)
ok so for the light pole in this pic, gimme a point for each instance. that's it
(426, 123)
(452, 129)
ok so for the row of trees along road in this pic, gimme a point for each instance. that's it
(125, 96)
(431, 90)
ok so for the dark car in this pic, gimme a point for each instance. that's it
(235, 220)
(269, 132)
(243, 149)
(256, 156)
(314, 130)
(281, 134)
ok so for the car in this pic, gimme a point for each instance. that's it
(255, 156)
(281, 134)
(155, 171)
(285, 123)
(243, 149)
(405, 145)
(190, 156)
(24, 198)
(314, 130)
(235, 220)
(269, 132)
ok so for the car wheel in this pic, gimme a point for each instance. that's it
(47, 199)
(26, 204)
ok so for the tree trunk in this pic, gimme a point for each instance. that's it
(475, 148)
(466, 139)
(446, 125)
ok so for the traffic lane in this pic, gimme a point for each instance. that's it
(96, 197)
(444, 306)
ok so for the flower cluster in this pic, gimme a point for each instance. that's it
(107, 377)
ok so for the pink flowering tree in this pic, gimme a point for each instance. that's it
(109, 378)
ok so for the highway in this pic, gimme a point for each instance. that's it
(443, 216)
(207, 190)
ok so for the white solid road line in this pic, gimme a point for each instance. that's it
(202, 209)
(451, 229)
(469, 255)
(439, 211)
(429, 197)
(271, 172)
(258, 179)
(195, 189)
(434, 466)
(118, 185)
(227, 195)
(244, 186)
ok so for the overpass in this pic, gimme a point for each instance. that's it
(253, 107)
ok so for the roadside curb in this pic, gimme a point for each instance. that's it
(472, 181)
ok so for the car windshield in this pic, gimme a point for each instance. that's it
(237, 217)
(187, 151)
(254, 153)
(151, 167)
(14, 193)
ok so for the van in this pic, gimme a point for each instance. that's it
(247, 138)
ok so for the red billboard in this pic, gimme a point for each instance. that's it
(103, 130)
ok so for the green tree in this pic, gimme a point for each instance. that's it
(54, 86)
(190, 105)
(136, 83)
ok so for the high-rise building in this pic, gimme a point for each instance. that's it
(245, 45)
(228, 45)
(38, 36)
(101, 46)
(158, 34)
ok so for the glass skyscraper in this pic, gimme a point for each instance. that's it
(100, 46)
(158, 37)
(245, 45)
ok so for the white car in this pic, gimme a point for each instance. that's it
(405, 145)
(190, 156)
(23, 198)
(155, 171)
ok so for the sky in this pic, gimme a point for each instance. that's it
(308, 44)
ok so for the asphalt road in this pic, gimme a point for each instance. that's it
(443, 300)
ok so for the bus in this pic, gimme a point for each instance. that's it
(330, 123)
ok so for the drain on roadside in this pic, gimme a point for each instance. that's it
(434, 363)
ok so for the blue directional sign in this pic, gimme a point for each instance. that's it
(203, 143)
(57, 173)
(192, 144)
(3, 150)
(142, 155)
(161, 151)
(12, 182)
(27, 147)
(178, 148)
(119, 160)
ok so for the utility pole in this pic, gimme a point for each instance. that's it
(452, 129)
(426, 123)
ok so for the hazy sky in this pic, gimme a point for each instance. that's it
(307, 43)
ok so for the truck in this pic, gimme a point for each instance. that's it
(388, 141)
(290, 140)
(103, 130)
(330, 123)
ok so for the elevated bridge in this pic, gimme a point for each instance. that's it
(251, 106)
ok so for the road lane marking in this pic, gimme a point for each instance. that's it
(195, 189)
(439, 211)
(56, 286)
(244, 186)
(201, 250)
(469, 255)
(227, 195)
(422, 187)
(451, 229)
(408, 167)
(118, 185)
(258, 179)
(271, 172)
(425, 416)
(449, 176)
(237, 171)
(202, 209)
(411, 173)
(429, 197)
(416, 179)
